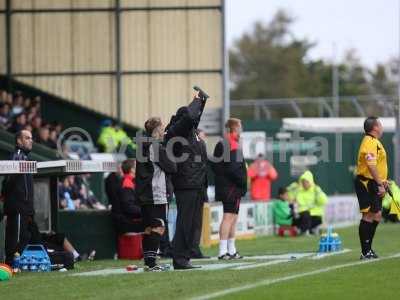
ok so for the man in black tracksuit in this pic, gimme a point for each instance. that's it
(190, 180)
(153, 189)
(196, 251)
(18, 203)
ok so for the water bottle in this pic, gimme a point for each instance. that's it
(339, 243)
(334, 242)
(15, 263)
(323, 243)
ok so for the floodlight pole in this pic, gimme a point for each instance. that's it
(397, 133)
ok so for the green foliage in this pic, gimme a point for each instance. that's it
(270, 62)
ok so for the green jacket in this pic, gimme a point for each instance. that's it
(107, 139)
(313, 199)
(396, 195)
(281, 212)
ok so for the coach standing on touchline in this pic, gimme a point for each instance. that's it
(18, 205)
(370, 183)
(190, 180)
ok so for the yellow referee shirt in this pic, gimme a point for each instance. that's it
(372, 153)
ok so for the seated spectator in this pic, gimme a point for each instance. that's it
(311, 201)
(126, 212)
(65, 195)
(44, 137)
(57, 127)
(27, 103)
(284, 216)
(30, 116)
(387, 204)
(86, 195)
(9, 99)
(282, 212)
(18, 104)
(33, 111)
(112, 184)
(18, 124)
(261, 173)
(4, 115)
(36, 125)
(36, 103)
(58, 242)
(53, 138)
(3, 96)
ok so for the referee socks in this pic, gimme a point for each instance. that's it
(373, 226)
(364, 232)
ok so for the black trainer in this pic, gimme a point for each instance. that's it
(369, 255)
(187, 266)
(236, 256)
(374, 255)
(226, 256)
(157, 268)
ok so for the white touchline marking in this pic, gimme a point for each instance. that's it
(323, 255)
(268, 282)
(266, 257)
(291, 259)
(106, 272)
(268, 263)
(210, 267)
(278, 259)
(214, 267)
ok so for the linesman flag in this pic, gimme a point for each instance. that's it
(394, 206)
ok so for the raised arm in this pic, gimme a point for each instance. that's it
(186, 119)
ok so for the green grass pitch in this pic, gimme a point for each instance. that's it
(303, 278)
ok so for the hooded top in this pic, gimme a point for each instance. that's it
(313, 199)
(307, 175)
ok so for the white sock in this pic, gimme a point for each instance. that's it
(231, 246)
(75, 254)
(223, 247)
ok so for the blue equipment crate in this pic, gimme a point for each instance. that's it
(34, 259)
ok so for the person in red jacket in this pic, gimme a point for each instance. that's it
(261, 173)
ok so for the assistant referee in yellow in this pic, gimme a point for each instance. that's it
(370, 183)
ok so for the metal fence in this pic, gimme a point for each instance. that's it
(349, 106)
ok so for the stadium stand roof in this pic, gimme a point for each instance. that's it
(332, 125)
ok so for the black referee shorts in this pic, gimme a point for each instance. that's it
(367, 194)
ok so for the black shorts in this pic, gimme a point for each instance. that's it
(231, 207)
(152, 214)
(367, 194)
(53, 241)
